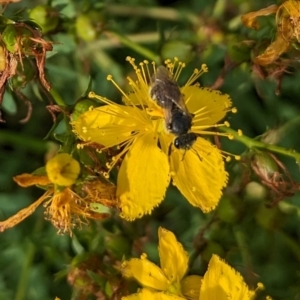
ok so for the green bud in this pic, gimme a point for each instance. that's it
(9, 37)
(117, 246)
(227, 211)
(45, 16)
(89, 26)
(17, 38)
(183, 51)
(240, 52)
(264, 165)
(82, 106)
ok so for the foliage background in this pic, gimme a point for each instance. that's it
(262, 243)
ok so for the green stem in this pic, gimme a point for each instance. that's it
(25, 272)
(21, 290)
(139, 38)
(251, 143)
(57, 98)
(145, 52)
(13, 138)
(153, 12)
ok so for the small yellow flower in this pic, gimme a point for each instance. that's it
(64, 208)
(288, 28)
(150, 158)
(220, 282)
(167, 278)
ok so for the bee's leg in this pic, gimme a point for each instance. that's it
(183, 154)
(197, 153)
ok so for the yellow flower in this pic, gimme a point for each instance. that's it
(220, 282)
(64, 208)
(166, 279)
(288, 28)
(138, 128)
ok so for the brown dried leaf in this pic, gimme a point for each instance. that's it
(279, 46)
(26, 180)
(249, 20)
(24, 213)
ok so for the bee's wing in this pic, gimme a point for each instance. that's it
(179, 102)
(171, 89)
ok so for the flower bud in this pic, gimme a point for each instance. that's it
(82, 106)
(227, 211)
(17, 37)
(183, 51)
(240, 52)
(63, 169)
(264, 165)
(117, 246)
(45, 16)
(190, 287)
(89, 26)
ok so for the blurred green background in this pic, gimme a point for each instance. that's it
(91, 39)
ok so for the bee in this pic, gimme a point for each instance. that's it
(166, 93)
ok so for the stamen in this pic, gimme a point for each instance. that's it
(196, 74)
(154, 67)
(227, 156)
(116, 158)
(228, 135)
(102, 99)
(147, 73)
(178, 71)
(109, 78)
(131, 61)
(204, 127)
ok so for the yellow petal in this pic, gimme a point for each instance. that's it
(110, 125)
(25, 180)
(208, 106)
(190, 287)
(222, 282)
(146, 294)
(173, 258)
(199, 174)
(63, 169)
(146, 273)
(143, 178)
